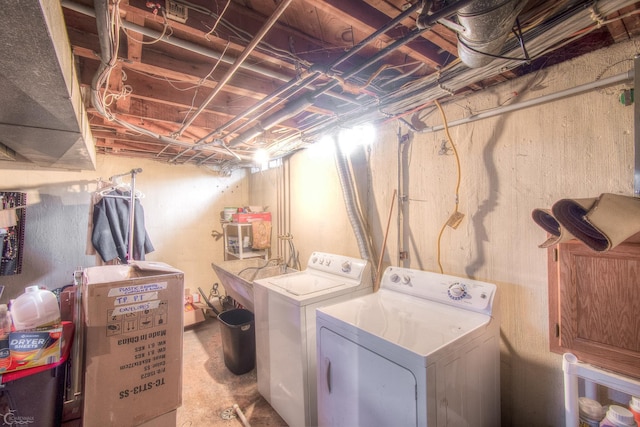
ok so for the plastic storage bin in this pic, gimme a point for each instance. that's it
(35, 396)
(237, 329)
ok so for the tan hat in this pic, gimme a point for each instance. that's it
(545, 219)
(611, 220)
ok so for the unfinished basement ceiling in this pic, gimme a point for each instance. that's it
(212, 81)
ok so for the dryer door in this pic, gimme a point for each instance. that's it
(357, 387)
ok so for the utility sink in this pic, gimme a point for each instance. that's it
(237, 276)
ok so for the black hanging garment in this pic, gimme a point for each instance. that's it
(110, 235)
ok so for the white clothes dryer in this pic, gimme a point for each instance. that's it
(422, 351)
(285, 321)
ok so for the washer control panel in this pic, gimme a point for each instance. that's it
(457, 291)
(337, 264)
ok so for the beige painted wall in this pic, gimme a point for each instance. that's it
(576, 147)
(182, 206)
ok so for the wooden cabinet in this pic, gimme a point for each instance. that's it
(594, 305)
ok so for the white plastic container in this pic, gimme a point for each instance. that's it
(227, 213)
(618, 416)
(591, 412)
(35, 308)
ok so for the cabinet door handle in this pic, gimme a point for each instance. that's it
(327, 367)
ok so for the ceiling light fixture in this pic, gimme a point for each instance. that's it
(360, 135)
(261, 157)
(323, 147)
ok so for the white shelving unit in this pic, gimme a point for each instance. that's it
(236, 235)
(574, 369)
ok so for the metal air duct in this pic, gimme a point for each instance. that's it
(486, 25)
(43, 119)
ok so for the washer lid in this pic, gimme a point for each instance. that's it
(419, 325)
(302, 283)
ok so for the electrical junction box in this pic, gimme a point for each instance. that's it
(176, 11)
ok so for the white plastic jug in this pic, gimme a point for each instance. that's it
(34, 309)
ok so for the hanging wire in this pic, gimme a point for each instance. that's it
(165, 27)
(206, 36)
(459, 173)
(99, 86)
(241, 34)
(202, 80)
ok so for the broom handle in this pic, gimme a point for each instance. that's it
(384, 244)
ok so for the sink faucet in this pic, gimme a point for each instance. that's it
(279, 262)
(293, 261)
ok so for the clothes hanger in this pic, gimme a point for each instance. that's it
(122, 187)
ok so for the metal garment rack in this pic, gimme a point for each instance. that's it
(132, 208)
(72, 405)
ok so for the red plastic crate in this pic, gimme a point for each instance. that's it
(250, 217)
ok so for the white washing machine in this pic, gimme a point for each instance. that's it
(285, 323)
(422, 351)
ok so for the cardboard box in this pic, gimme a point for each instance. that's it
(191, 297)
(192, 315)
(188, 299)
(196, 297)
(133, 339)
(250, 217)
(166, 420)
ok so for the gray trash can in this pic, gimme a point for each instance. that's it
(238, 332)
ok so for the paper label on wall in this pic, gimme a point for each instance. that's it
(137, 289)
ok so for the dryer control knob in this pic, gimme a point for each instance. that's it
(457, 291)
(406, 280)
(395, 278)
(346, 266)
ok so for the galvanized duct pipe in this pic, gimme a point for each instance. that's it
(540, 40)
(348, 193)
(487, 23)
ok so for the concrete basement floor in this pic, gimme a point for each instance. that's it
(209, 389)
